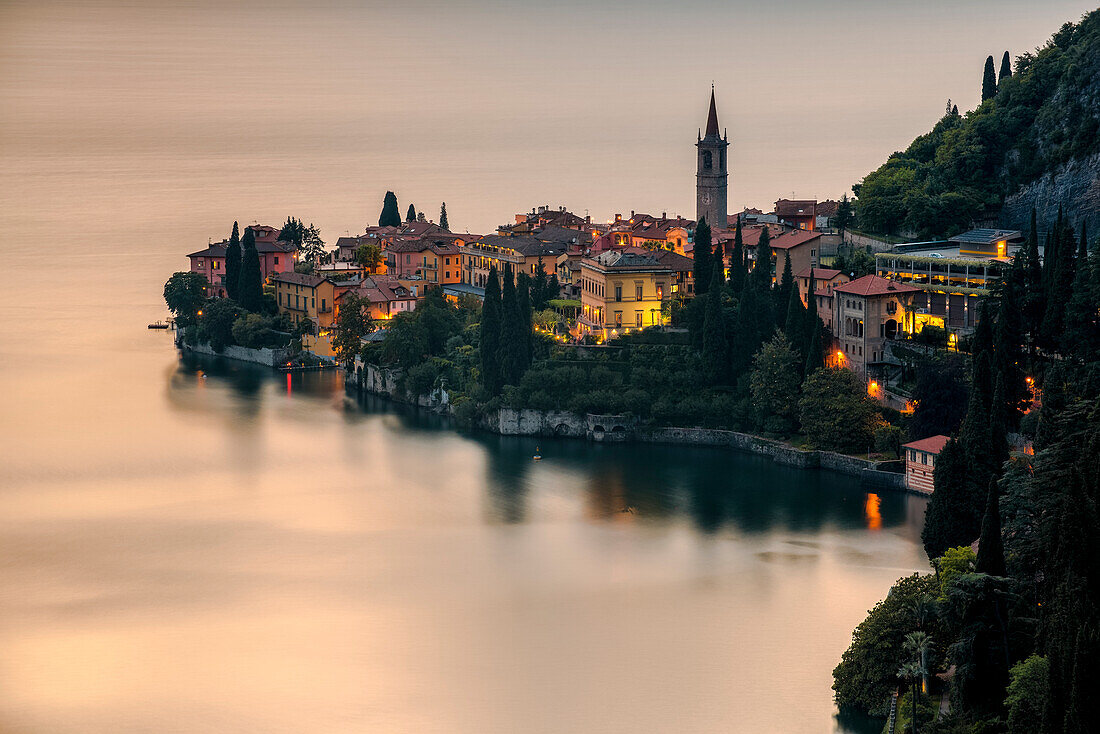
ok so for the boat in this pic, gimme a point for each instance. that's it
(158, 325)
(538, 456)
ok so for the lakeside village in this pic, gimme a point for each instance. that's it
(975, 358)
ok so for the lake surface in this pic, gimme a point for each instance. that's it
(195, 547)
(204, 546)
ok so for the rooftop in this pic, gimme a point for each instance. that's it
(819, 273)
(988, 237)
(874, 285)
(932, 444)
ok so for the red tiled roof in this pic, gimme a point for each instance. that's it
(793, 238)
(932, 444)
(874, 285)
(795, 207)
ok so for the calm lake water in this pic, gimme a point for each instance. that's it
(195, 547)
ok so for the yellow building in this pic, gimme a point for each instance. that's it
(310, 297)
(621, 292)
(522, 253)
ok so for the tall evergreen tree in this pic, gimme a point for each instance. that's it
(737, 261)
(1007, 340)
(796, 326)
(490, 334)
(1034, 298)
(762, 270)
(512, 341)
(391, 215)
(815, 354)
(1060, 287)
(410, 215)
(786, 284)
(232, 275)
(523, 305)
(701, 257)
(989, 80)
(1050, 255)
(1006, 69)
(715, 348)
(718, 262)
(443, 223)
(755, 323)
(1082, 334)
(949, 520)
(250, 287)
(991, 549)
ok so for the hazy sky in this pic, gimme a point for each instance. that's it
(493, 106)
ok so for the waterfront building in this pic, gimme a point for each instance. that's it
(210, 263)
(712, 177)
(953, 277)
(867, 313)
(310, 297)
(522, 252)
(622, 291)
(920, 462)
(386, 295)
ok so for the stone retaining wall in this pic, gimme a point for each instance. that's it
(266, 357)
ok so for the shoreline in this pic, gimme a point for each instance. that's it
(507, 421)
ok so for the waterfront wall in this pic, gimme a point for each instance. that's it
(265, 356)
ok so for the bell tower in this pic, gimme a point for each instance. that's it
(711, 177)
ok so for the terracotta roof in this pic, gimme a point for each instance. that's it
(819, 273)
(932, 444)
(275, 246)
(793, 238)
(525, 245)
(310, 281)
(676, 261)
(874, 285)
(213, 250)
(795, 207)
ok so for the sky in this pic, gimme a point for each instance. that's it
(492, 106)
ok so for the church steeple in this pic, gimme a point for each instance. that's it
(712, 118)
(711, 178)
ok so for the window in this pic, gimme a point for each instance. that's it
(618, 293)
(618, 318)
(924, 458)
(637, 318)
(912, 455)
(323, 304)
(276, 259)
(408, 259)
(637, 293)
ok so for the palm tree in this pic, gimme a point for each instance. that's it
(912, 672)
(919, 643)
(923, 609)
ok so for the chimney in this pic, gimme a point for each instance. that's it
(618, 217)
(631, 213)
(664, 215)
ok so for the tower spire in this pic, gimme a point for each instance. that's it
(712, 116)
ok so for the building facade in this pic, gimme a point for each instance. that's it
(920, 463)
(867, 312)
(622, 292)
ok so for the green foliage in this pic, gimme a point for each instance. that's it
(232, 276)
(888, 439)
(737, 261)
(1027, 694)
(308, 239)
(369, 256)
(867, 673)
(954, 563)
(490, 334)
(250, 288)
(836, 412)
(702, 264)
(390, 216)
(410, 215)
(1028, 124)
(773, 385)
(353, 323)
(856, 262)
(844, 214)
(940, 393)
(1006, 68)
(305, 267)
(257, 331)
(444, 224)
(215, 326)
(715, 345)
(184, 296)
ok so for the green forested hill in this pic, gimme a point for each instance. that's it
(1046, 114)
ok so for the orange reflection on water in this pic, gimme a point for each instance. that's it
(871, 510)
(288, 390)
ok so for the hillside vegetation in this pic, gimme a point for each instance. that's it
(1042, 116)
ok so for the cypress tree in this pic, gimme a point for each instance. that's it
(250, 288)
(718, 262)
(443, 223)
(1060, 288)
(715, 347)
(1006, 69)
(390, 216)
(737, 261)
(1007, 338)
(762, 271)
(512, 342)
(991, 549)
(523, 304)
(701, 257)
(410, 216)
(786, 283)
(755, 324)
(1034, 298)
(1050, 255)
(232, 276)
(815, 357)
(1081, 335)
(948, 522)
(981, 358)
(989, 80)
(490, 334)
(796, 325)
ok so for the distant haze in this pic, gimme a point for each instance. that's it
(258, 110)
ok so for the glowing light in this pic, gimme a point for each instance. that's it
(288, 383)
(872, 509)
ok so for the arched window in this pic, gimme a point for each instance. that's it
(707, 162)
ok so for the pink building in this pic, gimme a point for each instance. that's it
(920, 462)
(211, 264)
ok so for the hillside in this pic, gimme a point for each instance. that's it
(1036, 142)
